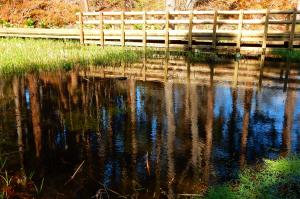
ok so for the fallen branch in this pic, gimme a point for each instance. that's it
(73, 176)
(112, 191)
(190, 195)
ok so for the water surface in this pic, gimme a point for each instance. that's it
(157, 132)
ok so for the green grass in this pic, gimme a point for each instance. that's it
(30, 55)
(27, 55)
(278, 179)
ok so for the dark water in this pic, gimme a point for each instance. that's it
(147, 138)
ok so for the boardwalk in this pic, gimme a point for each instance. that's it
(244, 30)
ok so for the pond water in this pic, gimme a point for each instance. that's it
(147, 132)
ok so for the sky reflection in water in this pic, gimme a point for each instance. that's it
(142, 137)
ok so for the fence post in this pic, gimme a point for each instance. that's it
(240, 28)
(122, 29)
(167, 31)
(190, 38)
(81, 28)
(101, 29)
(144, 29)
(265, 37)
(214, 36)
(287, 27)
(293, 28)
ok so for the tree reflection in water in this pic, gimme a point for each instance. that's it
(146, 138)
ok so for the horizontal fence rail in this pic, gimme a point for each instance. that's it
(239, 30)
(258, 31)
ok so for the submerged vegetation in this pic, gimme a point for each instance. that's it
(16, 184)
(278, 179)
(291, 55)
(26, 55)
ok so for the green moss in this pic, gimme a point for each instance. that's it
(278, 179)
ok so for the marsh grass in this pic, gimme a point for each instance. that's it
(27, 55)
(33, 55)
(278, 179)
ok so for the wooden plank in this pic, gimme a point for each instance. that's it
(186, 21)
(144, 29)
(214, 41)
(293, 28)
(190, 37)
(266, 27)
(240, 28)
(167, 27)
(122, 29)
(102, 41)
(287, 27)
(280, 35)
(265, 38)
(81, 32)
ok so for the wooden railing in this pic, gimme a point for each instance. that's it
(253, 31)
(192, 29)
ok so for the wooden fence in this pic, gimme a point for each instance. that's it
(244, 29)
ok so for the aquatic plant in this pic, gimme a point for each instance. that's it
(40, 188)
(14, 184)
(2, 163)
(291, 55)
(278, 179)
(7, 182)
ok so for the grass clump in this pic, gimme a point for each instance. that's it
(278, 179)
(27, 55)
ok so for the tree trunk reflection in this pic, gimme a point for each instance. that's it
(35, 113)
(245, 128)
(170, 136)
(288, 122)
(209, 126)
(16, 90)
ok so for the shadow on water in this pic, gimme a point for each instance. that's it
(169, 127)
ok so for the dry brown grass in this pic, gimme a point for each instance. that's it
(52, 12)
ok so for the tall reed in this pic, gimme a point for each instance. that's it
(26, 55)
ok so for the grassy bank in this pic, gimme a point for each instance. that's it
(26, 55)
(278, 179)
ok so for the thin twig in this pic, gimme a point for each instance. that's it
(107, 189)
(192, 195)
(119, 195)
(73, 176)
(9, 153)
